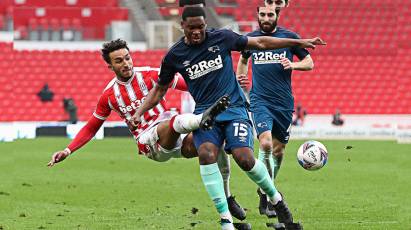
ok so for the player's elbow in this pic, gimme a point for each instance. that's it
(310, 66)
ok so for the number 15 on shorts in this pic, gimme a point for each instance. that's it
(240, 129)
(240, 134)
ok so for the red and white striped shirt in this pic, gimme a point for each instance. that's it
(126, 97)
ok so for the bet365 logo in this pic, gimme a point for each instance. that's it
(268, 57)
(133, 106)
(204, 67)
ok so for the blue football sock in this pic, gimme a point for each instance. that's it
(277, 164)
(267, 156)
(260, 176)
(213, 182)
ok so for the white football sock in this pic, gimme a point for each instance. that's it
(186, 123)
(276, 198)
(227, 215)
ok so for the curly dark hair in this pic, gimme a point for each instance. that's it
(111, 46)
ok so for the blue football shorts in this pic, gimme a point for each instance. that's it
(236, 133)
(276, 121)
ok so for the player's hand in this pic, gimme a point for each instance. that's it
(287, 64)
(134, 121)
(58, 157)
(312, 43)
(243, 81)
(131, 125)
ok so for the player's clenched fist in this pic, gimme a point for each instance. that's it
(58, 156)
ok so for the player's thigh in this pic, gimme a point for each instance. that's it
(281, 126)
(167, 136)
(208, 142)
(214, 135)
(240, 142)
(188, 149)
(262, 120)
(238, 134)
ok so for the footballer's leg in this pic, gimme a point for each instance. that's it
(208, 144)
(188, 150)
(223, 161)
(169, 132)
(240, 141)
(263, 123)
(169, 129)
(265, 155)
(213, 182)
(278, 153)
(280, 135)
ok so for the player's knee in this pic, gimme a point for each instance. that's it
(266, 145)
(245, 161)
(266, 142)
(207, 157)
(207, 153)
(246, 164)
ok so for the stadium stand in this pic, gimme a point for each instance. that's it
(6, 11)
(81, 75)
(66, 3)
(87, 17)
(365, 69)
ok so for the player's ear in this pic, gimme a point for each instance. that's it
(110, 67)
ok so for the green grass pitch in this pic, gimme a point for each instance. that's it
(106, 185)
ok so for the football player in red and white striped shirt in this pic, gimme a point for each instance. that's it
(158, 136)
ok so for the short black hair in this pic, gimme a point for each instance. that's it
(111, 46)
(270, 2)
(183, 3)
(193, 11)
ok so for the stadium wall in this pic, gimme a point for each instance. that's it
(69, 45)
(366, 127)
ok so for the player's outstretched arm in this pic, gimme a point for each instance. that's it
(242, 69)
(153, 98)
(86, 133)
(270, 43)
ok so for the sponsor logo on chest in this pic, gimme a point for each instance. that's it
(204, 67)
(268, 57)
(134, 105)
